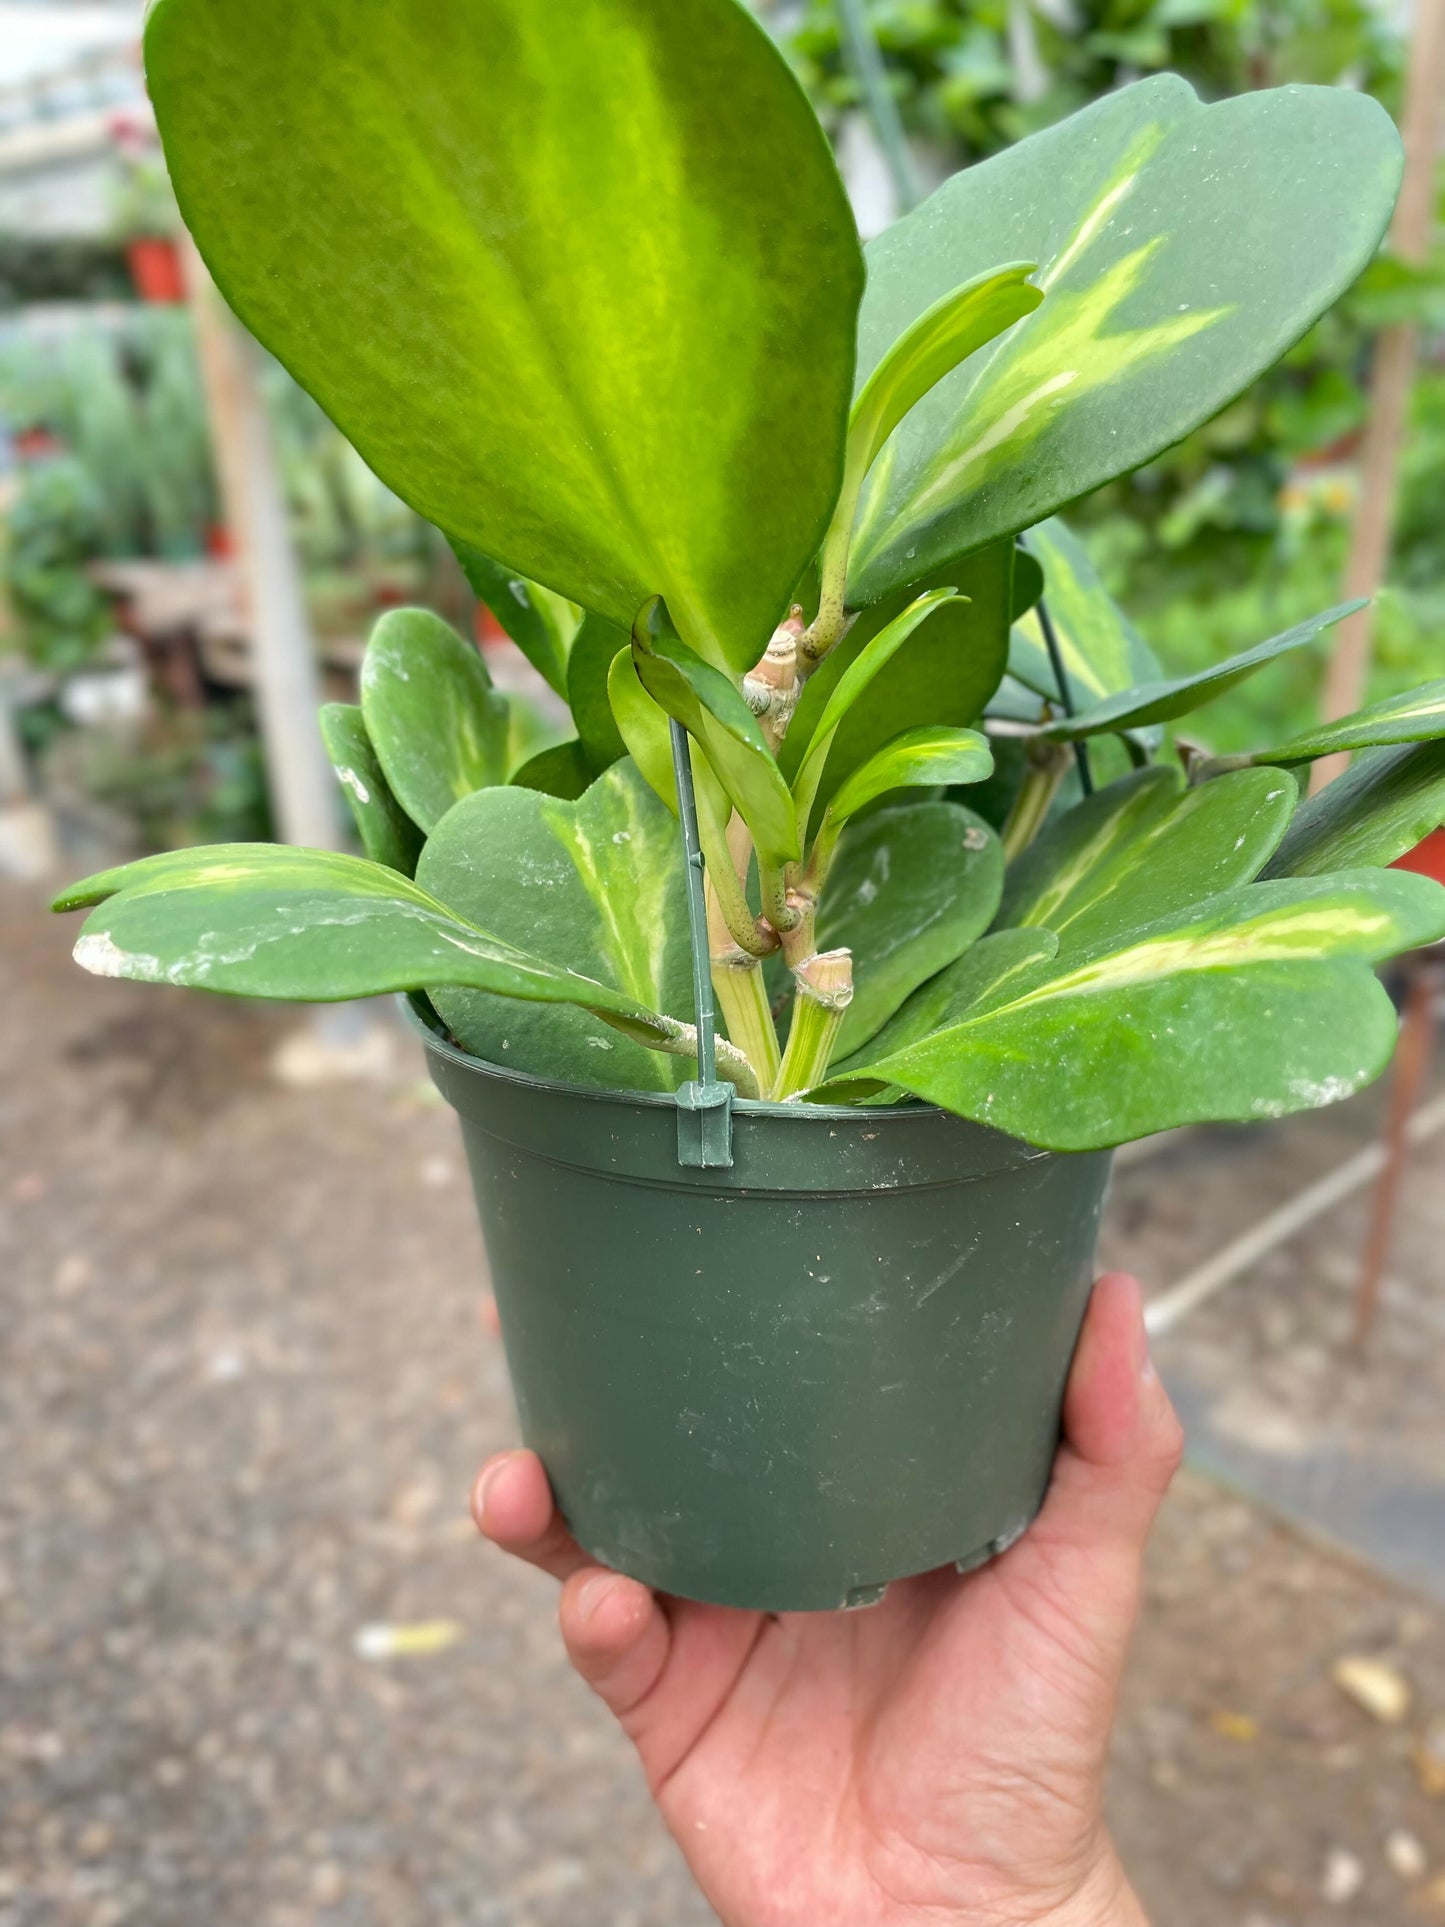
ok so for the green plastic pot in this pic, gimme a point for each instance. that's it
(783, 1384)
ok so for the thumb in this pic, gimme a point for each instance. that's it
(1122, 1446)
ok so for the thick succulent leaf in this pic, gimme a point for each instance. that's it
(439, 728)
(710, 706)
(1102, 651)
(989, 972)
(1386, 802)
(387, 833)
(543, 625)
(944, 673)
(1182, 248)
(311, 926)
(1143, 849)
(597, 884)
(563, 770)
(532, 257)
(856, 675)
(910, 890)
(1416, 717)
(1162, 702)
(1260, 1003)
(919, 759)
(597, 642)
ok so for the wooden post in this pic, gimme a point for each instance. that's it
(288, 689)
(1396, 351)
(1412, 1062)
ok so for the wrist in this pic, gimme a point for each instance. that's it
(1104, 1898)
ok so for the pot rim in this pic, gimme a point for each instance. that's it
(435, 1040)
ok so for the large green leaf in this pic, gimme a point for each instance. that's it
(1143, 849)
(1386, 803)
(387, 833)
(597, 642)
(1102, 651)
(439, 728)
(711, 708)
(1418, 716)
(1163, 701)
(542, 625)
(263, 920)
(1182, 249)
(943, 675)
(597, 884)
(577, 277)
(1259, 1003)
(911, 888)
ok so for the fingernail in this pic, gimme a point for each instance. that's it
(485, 1482)
(593, 1593)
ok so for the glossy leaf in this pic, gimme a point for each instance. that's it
(943, 675)
(1386, 803)
(1103, 653)
(1183, 248)
(1418, 716)
(311, 926)
(710, 706)
(387, 833)
(598, 884)
(1143, 849)
(855, 677)
(911, 888)
(920, 759)
(596, 643)
(1260, 1002)
(1163, 701)
(578, 278)
(439, 728)
(542, 625)
(563, 770)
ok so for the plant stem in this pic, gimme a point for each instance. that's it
(743, 1000)
(825, 990)
(731, 1064)
(1035, 799)
(727, 895)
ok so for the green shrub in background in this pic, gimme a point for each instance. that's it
(1242, 527)
(52, 530)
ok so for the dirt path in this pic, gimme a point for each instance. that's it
(245, 1385)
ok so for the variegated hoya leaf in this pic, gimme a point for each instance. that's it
(1182, 249)
(920, 759)
(598, 885)
(578, 278)
(1417, 716)
(542, 625)
(1384, 805)
(387, 833)
(439, 728)
(1143, 849)
(1103, 653)
(1257, 1003)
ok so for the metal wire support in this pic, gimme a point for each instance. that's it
(704, 1107)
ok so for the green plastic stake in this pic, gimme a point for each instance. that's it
(704, 1107)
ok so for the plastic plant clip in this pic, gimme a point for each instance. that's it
(705, 1106)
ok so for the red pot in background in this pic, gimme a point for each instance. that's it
(155, 268)
(1427, 859)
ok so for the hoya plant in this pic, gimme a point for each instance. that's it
(580, 282)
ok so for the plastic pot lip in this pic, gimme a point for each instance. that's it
(659, 1100)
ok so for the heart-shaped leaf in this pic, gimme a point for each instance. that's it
(1418, 716)
(711, 708)
(919, 759)
(1259, 1003)
(312, 926)
(944, 673)
(911, 888)
(1161, 702)
(599, 884)
(439, 728)
(542, 625)
(1102, 652)
(1386, 803)
(1143, 849)
(536, 259)
(1182, 249)
(387, 833)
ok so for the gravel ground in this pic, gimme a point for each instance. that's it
(245, 1388)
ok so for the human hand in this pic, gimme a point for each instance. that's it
(937, 1757)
